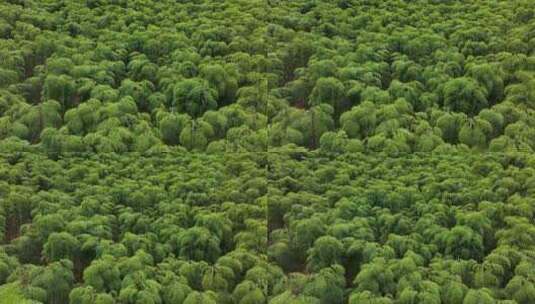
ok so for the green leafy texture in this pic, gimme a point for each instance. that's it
(464, 95)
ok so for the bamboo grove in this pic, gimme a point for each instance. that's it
(267, 151)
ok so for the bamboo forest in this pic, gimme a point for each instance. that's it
(267, 152)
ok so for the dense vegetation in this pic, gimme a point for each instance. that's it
(170, 228)
(397, 76)
(192, 228)
(454, 229)
(267, 151)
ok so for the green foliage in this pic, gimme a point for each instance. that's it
(11, 293)
(255, 152)
(61, 245)
(410, 229)
(274, 82)
(325, 252)
(464, 95)
(194, 97)
(203, 232)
